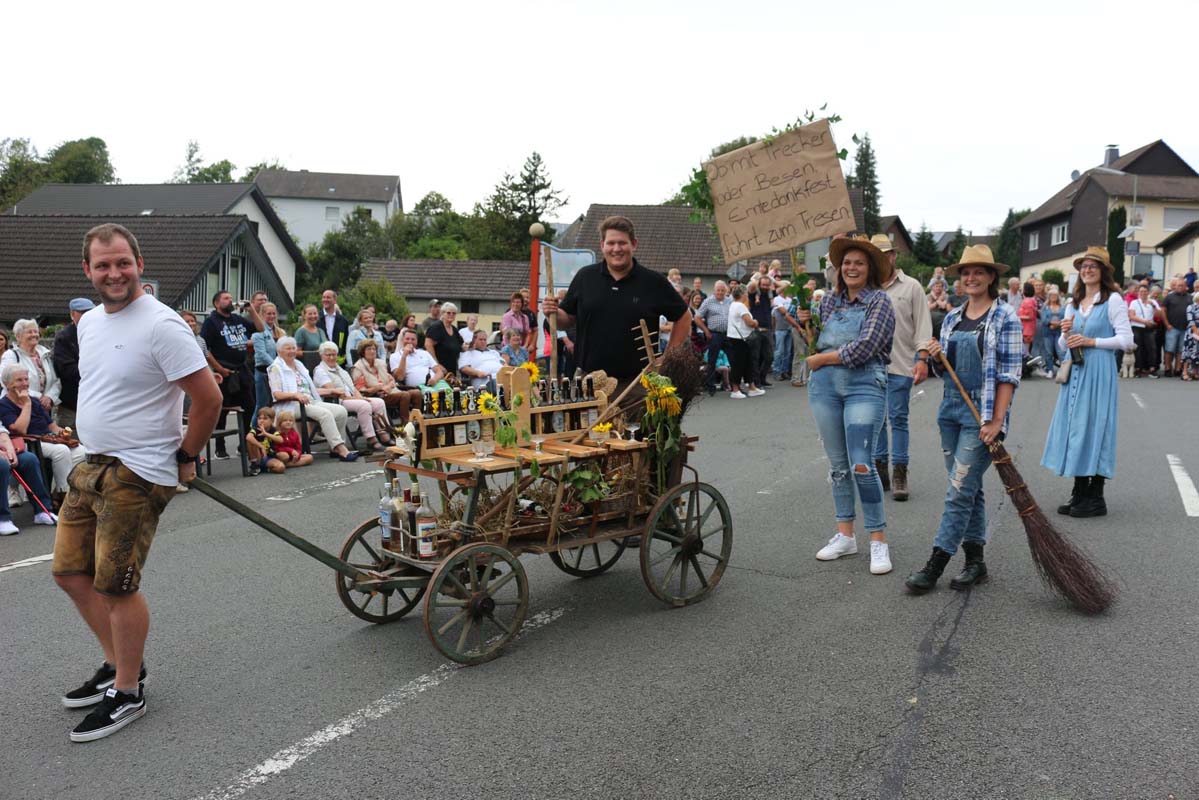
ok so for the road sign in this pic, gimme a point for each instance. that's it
(1132, 247)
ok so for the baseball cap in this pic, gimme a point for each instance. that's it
(81, 304)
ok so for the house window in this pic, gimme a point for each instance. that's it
(332, 213)
(1061, 234)
(1137, 218)
(1175, 218)
(1034, 240)
(470, 306)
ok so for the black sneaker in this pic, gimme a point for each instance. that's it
(220, 455)
(92, 692)
(115, 711)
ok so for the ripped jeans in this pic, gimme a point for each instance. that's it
(966, 459)
(848, 407)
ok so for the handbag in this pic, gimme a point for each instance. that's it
(1063, 372)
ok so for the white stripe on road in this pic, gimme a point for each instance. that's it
(28, 562)
(1186, 487)
(1138, 400)
(324, 487)
(288, 757)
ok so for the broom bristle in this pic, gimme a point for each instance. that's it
(1064, 568)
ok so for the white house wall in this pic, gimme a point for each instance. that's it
(306, 221)
(271, 242)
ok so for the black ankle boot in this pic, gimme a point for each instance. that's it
(1080, 491)
(975, 570)
(884, 474)
(920, 582)
(1093, 504)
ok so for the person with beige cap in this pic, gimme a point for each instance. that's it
(908, 368)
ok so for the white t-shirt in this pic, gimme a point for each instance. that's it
(738, 327)
(488, 361)
(1144, 310)
(416, 368)
(129, 404)
(468, 336)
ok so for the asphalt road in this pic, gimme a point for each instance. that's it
(795, 679)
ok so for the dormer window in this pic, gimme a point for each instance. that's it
(1061, 233)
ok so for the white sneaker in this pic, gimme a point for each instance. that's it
(8, 529)
(42, 518)
(15, 497)
(839, 545)
(880, 558)
(181, 488)
(736, 395)
(756, 392)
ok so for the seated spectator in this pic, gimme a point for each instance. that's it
(292, 387)
(468, 333)
(365, 329)
(515, 318)
(261, 442)
(410, 364)
(373, 379)
(44, 385)
(21, 414)
(479, 364)
(409, 324)
(722, 370)
(513, 353)
(336, 386)
(310, 334)
(30, 469)
(289, 451)
(442, 340)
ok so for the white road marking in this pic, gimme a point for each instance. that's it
(288, 757)
(1186, 487)
(323, 487)
(28, 562)
(1138, 400)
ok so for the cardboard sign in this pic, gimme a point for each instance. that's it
(776, 196)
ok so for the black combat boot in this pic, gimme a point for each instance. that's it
(920, 582)
(1092, 504)
(900, 483)
(884, 474)
(1076, 496)
(975, 570)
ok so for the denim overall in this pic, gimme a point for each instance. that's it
(847, 405)
(966, 457)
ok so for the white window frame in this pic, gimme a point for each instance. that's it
(1166, 216)
(1136, 218)
(1059, 234)
(1034, 240)
(336, 214)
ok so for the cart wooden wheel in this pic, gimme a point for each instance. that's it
(590, 559)
(687, 543)
(377, 607)
(477, 602)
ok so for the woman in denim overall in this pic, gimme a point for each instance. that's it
(983, 342)
(847, 390)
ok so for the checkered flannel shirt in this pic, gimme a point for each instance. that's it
(1002, 353)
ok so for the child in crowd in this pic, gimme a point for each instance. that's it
(262, 442)
(513, 353)
(391, 333)
(289, 450)
(722, 370)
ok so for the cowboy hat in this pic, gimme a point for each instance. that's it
(883, 242)
(839, 247)
(976, 255)
(1096, 253)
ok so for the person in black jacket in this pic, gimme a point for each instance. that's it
(336, 327)
(66, 362)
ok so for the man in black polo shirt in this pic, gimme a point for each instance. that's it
(606, 301)
(227, 336)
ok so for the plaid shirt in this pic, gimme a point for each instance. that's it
(874, 340)
(715, 313)
(1002, 351)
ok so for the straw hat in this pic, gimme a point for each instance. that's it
(1096, 253)
(839, 247)
(883, 242)
(976, 255)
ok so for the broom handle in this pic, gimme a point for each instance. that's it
(965, 395)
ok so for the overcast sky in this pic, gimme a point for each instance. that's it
(970, 111)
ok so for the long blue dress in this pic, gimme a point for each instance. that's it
(1082, 435)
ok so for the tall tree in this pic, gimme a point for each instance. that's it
(80, 161)
(1008, 249)
(21, 170)
(865, 177)
(956, 247)
(925, 247)
(1117, 220)
(499, 227)
(194, 170)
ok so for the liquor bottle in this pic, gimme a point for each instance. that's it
(473, 431)
(410, 515)
(472, 402)
(558, 420)
(459, 432)
(426, 404)
(426, 523)
(442, 408)
(398, 517)
(456, 406)
(590, 382)
(501, 398)
(565, 390)
(385, 518)
(576, 390)
(555, 398)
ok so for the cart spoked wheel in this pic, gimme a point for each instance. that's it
(687, 543)
(378, 607)
(477, 602)
(590, 559)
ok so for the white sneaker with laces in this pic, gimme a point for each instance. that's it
(839, 545)
(8, 529)
(756, 392)
(880, 558)
(15, 496)
(42, 518)
(736, 395)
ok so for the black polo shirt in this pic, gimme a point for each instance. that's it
(606, 310)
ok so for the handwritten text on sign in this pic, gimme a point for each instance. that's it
(775, 196)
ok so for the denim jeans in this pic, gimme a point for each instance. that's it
(716, 343)
(782, 351)
(262, 396)
(30, 468)
(966, 459)
(899, 395)
(847, 405)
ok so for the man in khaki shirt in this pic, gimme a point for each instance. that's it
(913, 329)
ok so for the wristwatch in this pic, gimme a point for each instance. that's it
(183, 457)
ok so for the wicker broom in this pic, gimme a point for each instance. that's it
(1064, 568)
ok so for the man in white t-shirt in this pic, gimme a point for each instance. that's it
(137, 359)
(480, 363)
(410, 365)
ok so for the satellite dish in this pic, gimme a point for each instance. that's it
(1075, 175)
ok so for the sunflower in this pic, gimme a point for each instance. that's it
(487, 404)
(534, 373)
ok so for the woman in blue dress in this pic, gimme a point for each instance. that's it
(1082, 435)
(1047, 329)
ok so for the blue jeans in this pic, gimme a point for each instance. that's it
(899, 395)
(262, 396)
(30, 469)
(782, 351)
(847, 405)
(966, 459)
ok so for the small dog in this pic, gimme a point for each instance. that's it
(1128, 365)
